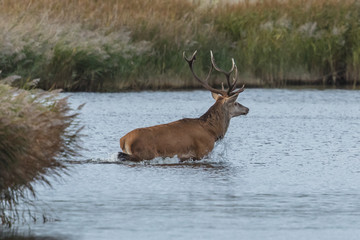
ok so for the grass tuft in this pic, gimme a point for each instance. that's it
(36, 129)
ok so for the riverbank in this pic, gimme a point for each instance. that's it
(86, 45)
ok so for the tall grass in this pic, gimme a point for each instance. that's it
(36, 128)
(88, 45)
(295, 40)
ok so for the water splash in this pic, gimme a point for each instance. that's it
(215, 159)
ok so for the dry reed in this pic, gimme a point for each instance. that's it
(36, 129)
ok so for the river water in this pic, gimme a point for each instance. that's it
(290, 169)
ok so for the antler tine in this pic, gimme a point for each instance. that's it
(227, 74)
(219, 69)
(193, 57)
(205, 82)
(238, 91)
(233, 85)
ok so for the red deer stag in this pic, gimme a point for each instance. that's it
(189, 138)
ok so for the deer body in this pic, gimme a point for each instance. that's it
(186, 138)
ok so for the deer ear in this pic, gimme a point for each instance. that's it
(215, 95)
(233, 98)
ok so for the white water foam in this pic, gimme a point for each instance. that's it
(218, 155)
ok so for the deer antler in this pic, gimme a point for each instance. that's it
(231, 86)
(204, 83)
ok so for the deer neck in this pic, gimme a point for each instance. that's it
(216, 120)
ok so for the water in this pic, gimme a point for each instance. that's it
(290, 169)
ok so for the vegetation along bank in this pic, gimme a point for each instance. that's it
(88, 45)
(37, 129)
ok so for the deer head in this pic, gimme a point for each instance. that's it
(225, 98)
